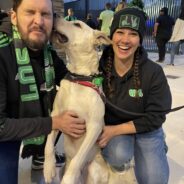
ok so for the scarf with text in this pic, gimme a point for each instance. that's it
(30, 105)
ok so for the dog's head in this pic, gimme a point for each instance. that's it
(71, 34)
(79, 42)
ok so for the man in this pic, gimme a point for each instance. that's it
(163, 31)
(70, 16)
(90, 22)
(27, 83)
(105, 19)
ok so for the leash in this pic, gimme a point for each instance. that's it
(95, 82)
(142, 114)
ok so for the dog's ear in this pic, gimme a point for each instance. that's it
(101, 38)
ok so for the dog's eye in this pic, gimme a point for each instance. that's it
(77, 25)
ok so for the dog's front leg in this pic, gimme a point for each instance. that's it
(49, 163)
(49, 170)
(73, 173)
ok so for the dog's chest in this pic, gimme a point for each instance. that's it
(77, 97)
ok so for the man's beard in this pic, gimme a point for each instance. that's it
(32, 43)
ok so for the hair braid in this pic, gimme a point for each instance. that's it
(109, 89)
(136, 75)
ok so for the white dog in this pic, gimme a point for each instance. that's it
(84, 164)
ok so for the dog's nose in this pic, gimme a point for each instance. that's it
(56, 15)
(56, 18)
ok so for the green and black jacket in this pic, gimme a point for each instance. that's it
(12, 127)
(154, 96)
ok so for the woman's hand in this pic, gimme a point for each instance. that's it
(110, 131)
(107, 134)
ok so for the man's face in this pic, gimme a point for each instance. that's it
(34, 19)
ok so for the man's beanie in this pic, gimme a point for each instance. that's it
(131, 17)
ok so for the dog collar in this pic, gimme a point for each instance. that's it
(95, 82)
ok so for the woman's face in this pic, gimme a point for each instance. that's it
(125, 43)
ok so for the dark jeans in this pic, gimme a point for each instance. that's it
(9, 158)
(161, 44)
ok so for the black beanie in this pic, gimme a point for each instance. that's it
(131, 17)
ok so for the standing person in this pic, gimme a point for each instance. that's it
(122, 4)
(138, 88)
(177, 38)
(162, 32)
(29, 69)
(105, 19)
(90, 22)
(70, 16)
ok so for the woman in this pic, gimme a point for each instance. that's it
(135, 84)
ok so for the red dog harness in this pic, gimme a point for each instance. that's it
(94, 82)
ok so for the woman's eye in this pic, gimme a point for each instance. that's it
(119, 32)
(134, 33)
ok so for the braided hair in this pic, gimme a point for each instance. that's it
(108, 87)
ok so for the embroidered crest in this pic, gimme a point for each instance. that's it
(130, 21)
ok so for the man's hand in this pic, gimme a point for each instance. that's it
(69, 123)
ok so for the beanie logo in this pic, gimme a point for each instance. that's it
(129, 21)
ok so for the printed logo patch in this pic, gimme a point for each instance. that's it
(135, 92)
(130, 21)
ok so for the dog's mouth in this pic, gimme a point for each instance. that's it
(61, 37)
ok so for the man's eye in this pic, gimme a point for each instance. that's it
(30, 12)
(46, 15)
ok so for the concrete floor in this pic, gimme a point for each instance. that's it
(174, 129)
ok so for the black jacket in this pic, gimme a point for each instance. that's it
(91, 23)
(11, 126)
(182, 10)
(155, 100)
(165, 27)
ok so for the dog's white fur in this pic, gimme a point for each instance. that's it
(84, 164)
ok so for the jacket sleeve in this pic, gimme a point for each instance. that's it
(12, 129)
(156, 103)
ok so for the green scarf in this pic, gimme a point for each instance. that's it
(30, 106)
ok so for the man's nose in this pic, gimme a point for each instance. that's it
(38, 19)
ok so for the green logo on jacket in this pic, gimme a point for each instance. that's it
(134, 93)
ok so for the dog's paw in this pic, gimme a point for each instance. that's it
(49, 170)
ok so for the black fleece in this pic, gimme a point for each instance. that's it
(156, 96)
(11, 126)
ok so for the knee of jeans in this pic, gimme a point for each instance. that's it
(120, 162)
(123, 166)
